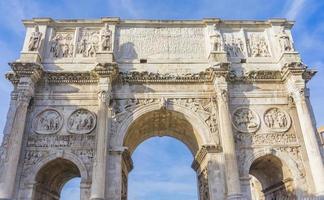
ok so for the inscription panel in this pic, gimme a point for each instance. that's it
(165, 43)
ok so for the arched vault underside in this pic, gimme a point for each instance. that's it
(162, 123)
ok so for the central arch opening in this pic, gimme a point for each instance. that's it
(162, 165)
(162, 168)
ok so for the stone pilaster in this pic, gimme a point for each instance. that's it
(227, 139)
(98, 186)
(208, 165)
(24, 77)
(114, 174)
(296, 77)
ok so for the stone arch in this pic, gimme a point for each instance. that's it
(201, 130)
(285, 167)
(284, 157)
(50, 174)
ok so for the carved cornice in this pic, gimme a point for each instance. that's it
(256, 76)
(19, 69)
(106, 70)
(201, 154)
(297, 69)
(71, 77)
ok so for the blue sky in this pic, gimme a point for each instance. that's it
(308, 35)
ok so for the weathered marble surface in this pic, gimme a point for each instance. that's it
(87, 92)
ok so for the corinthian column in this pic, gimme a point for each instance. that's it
(98, 185)
(296, 85)
(227, 138)
(28, 75)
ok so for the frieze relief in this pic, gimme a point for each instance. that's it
(277, 120)
(48, 121)
(265, 139)
(81, 121)
(245, 120)
(61, 141)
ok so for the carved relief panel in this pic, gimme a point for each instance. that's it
(48, 121)
(61, 44)
(81, 121)
(245, 120)
(277, 120)
(257, 44)
(234, 44)
(88, 42)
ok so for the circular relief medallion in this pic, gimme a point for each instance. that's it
(277, 120)
(48, 121)
(81, 121)
(245, 120)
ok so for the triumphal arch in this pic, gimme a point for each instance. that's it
(88, 92)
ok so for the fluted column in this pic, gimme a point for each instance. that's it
(296, 75)
(28, 76)
(227, 138)
(98, 185)
(309, 135)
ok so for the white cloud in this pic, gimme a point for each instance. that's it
(295, 9)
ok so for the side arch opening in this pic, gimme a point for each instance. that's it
(271, 179)
(52, 177)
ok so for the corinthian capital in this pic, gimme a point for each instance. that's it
(104, 96)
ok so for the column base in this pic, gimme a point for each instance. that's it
(235, 197)
(95, 198)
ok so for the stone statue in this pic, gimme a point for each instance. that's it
(106, 38)
(35, 39)
(55, 47)
(216, 42)
(284, 41)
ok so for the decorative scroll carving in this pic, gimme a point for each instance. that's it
(61, 45)
(277, 120)
(203, 185)
(88, 43)
(245, 120)
(257, 45)
(81, 121)
(48, 121)
(234, 45)
(106, 36)
(61, 141)
(35, 39)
